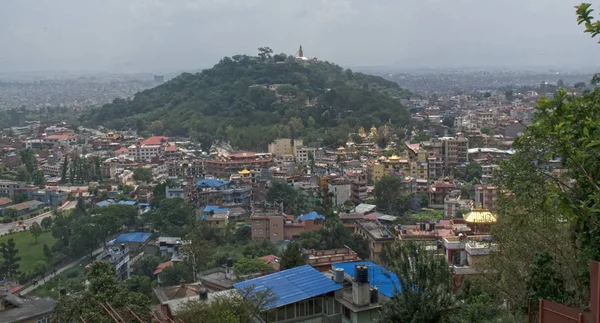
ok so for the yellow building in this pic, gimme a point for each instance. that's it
(283, 146)
(386, 166)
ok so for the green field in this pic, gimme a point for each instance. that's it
(428, 214)
(29, 251)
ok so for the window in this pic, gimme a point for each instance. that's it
(260, 231)
(255, 231)
(257, 222)
(44, 319)
(300, 308)
(289, 311)
(346, 312)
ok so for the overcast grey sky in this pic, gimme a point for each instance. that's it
(154, 35)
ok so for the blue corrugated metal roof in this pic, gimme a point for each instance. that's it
(133, 237)
(292, 285)
(127, 202)
(386, 281)
(310, 216)
(215, 208)
(211, 183)
(103, 203)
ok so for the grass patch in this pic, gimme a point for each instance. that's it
(72, 280)
(29, 251)
(428, 215)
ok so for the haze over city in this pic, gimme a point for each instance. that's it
(161, 35)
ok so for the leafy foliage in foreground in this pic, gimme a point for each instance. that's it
(253, 100)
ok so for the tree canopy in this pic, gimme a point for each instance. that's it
(250, 100)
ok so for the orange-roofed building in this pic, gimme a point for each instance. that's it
(155, 140)
(272, 260)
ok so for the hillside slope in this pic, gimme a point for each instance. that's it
(250, 101)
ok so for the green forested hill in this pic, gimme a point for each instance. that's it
(252, 100)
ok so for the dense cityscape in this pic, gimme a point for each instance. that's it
(278, 187)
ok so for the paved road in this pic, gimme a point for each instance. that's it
(60, 270)
(5, 228)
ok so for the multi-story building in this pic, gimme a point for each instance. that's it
(377, 235)
(49, 141)
(455, 151)
(284, 146)
(511, 129)
(188, 169)
(118, 256)
(220, 192)
(303, 154)
(358, 191)
(236, 162)
(438, 192)
(52, 169)
(485, 197)
(148, 149)
(341, 190)
(276, 226)
(487, 173)
(9, 188)
(174, 192)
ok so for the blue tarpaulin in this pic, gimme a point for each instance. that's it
(386, 281)
(132, 237)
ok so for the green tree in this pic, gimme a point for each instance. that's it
(19, 198)
(387, 192)
(242, 307)
(10, 260)
(292, 256)
(23, 175)
(545, 281)
(47, 252)
(425, 290)
(449, 122)
(173, 275)
(46, 223)
(142, 174)
(294, 201)
(40, 268)
(11, 213)
(246, 266)
(63, 174)
(139, 284)
(146, 266)
(29, 160)
(259, 248)
(103, 288)
(38, 178)
(36, 230)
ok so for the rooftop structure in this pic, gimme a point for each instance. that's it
(386, 282)
(291, 285)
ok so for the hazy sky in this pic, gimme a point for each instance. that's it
(155, 35)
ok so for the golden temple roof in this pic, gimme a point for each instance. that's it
(480, 216)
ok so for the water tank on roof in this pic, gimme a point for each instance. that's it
(339, 275)
(229, 262)
(361, 274)
(374, 295)
(203, 293)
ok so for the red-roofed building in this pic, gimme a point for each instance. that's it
(237, 162)
(155, 140)
(272, 260)
(149, 148)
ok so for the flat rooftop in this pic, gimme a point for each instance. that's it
(376, 230)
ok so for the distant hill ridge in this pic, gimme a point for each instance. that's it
(251, 101)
